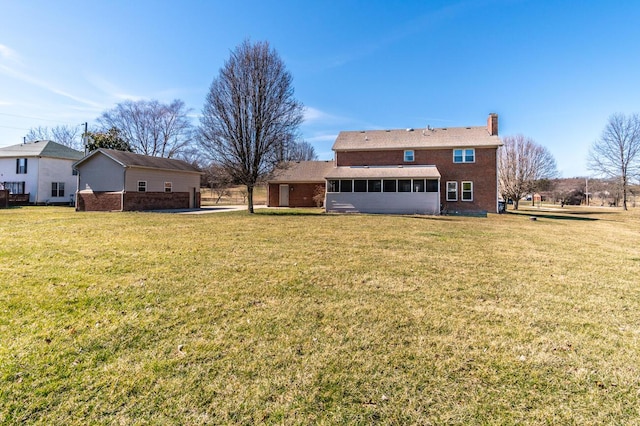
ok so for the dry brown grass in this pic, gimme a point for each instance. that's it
(294, 317)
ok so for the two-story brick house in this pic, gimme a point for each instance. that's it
(424, 171)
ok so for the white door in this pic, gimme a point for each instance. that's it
(284, 196)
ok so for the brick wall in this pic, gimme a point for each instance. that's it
(136, 201)
(300, 194)
(98, 201)
(482, 172)
(156, 200)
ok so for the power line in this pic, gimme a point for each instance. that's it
(27, 116)
(15, 128)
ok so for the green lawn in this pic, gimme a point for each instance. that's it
(308, 318)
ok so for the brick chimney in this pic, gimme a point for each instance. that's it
(492, 124)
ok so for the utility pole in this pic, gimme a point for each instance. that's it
(586, 189)
(85, 136)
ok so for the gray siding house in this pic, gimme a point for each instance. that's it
(110, 180)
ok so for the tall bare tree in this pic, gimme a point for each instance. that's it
(151, 127)
(63, 134)
(617, 153)
(249, 112)
(522, 163)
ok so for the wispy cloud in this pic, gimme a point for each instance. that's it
(9, 54)
(111, 90)
(322, 137)
(316, 116)
(11, 72)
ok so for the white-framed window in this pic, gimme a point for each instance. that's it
(467, 191)
(467, 155)
(142, 186)
(57, 189)
(333, 185)
(452, 191)
(409, 156)
(167, 186)
(21, 166)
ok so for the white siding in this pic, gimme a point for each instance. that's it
(30, 179)
(384, 202)
(56, 170)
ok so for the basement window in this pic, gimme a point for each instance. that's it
(142, 186)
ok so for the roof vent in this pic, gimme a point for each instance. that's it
(387, 130)
(409, 129)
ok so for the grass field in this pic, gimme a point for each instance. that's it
(296, 317)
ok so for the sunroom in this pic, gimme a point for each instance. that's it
(383, 189)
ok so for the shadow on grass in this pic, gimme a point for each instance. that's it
(564, 216)
(288, 212)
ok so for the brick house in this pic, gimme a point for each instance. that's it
(424, 171)
(110, 180)
(295, 184)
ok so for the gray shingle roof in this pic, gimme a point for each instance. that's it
(384, 172)
(450, 137)
(130, 159)
(41, 149)
(302, 171)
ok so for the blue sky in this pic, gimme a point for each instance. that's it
(553, 70)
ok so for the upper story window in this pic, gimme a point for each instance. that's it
(464, 155)
(167, 186)
(142, 186)
(409, 156)
(21, 166)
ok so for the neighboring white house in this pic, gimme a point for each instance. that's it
(42, 169)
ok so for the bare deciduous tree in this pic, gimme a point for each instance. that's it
(301, 151)
(64, 135)
(151, 127)
(218, 180)
(249, 113)
(522, 163)
(617, 153)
